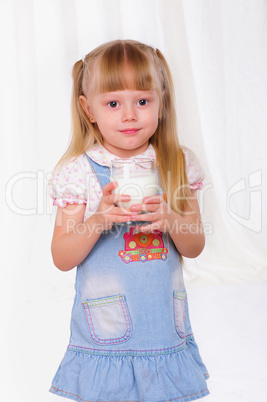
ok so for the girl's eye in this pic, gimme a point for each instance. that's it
(113, 104)
(142, 102)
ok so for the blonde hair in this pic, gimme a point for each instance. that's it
(149, 70)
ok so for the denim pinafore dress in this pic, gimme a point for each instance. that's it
(131, 338)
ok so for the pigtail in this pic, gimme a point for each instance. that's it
(80, 123)
(83, 134)
(169, 154)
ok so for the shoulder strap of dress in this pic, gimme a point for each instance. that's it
(102, 172)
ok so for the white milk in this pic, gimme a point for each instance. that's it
(138, 186)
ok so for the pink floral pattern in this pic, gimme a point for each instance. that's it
(75, 183)
(194, 173)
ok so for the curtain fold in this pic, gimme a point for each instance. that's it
(227, 45)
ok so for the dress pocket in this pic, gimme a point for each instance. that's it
(179, 303)
(108, 319)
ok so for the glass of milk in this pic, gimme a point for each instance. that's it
(136, 177)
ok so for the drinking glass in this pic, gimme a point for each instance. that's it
(136, 177)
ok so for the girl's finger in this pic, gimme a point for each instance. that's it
(145, 207)
(157, 199)
(122, 211)
(114, 198)
(120, 218)
(145, 217)
(107, 189)
(147, 228)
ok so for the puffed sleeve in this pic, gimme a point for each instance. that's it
(194, 173)
(68, 185)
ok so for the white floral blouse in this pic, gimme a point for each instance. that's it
(75, 183)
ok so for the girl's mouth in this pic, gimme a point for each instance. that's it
(130, 131)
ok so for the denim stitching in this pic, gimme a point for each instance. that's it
(181, 297)
(177, 296)
(131, 352)
(105, 301)
(126, 316)
(165, 400)
(106, 341)
(179, 293)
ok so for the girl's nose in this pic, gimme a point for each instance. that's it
(129, 114)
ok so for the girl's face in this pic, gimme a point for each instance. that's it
(126, 119)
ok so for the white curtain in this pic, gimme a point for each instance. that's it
(216, 50)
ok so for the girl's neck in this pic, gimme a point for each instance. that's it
(125, 153)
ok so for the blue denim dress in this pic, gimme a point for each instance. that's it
(134, 343)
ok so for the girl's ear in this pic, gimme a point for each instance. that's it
(85, 105)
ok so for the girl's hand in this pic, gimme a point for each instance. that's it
(185, 230)
(157, 212)
(108, 212)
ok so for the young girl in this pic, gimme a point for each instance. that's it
(131, 338)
